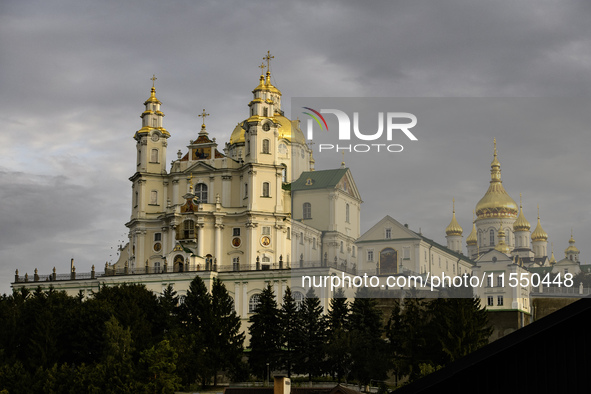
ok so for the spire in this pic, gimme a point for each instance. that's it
(454, 228)
(343, 162)
(203, 115)
(572, 249)
(152, 116)
(552, 258)
(521, 224)
(539, 234)
(472, 238)
(496, 203)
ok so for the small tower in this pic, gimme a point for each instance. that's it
(572, 253)
(152, 137)
(502, 245)
(539, 240)
(472, 240)
(453, 232)
(521, 229)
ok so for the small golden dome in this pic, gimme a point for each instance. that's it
(454, 228)
(152, 98)
(571, 247)
(539, 234)
(521, 224)
(472, 239)
(496, 203)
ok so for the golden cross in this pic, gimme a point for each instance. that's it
(262, 67)
(268, 59)
(153, 79)
(203, 115)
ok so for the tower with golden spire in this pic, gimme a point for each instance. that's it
(472, 240)
(454, 232)
(495, 206)
(521, 229)
(539, 239)
(572, 252)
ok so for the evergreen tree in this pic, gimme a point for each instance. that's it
(195, 314)
(338, 341)
(169, 303)
(368, 349)
(159, 363)
(289, 321)
(265, 334)
(311, 338)
(223, 337)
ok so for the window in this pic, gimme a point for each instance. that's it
(154, 156)
(253, 303)
(201, 192)
(248, 146)
(370, 255)
(307, 211)
(353, 251)
(301, 238)
(499, 281)
(284, 174)
(488, 281)
(265, 189)
(499, 300)
(342, 247)
(189, 229)
(157, 236)
(347, 213)
(245, 190)
(388, 233)
(157, 267)
(298, 297)
(314, 243)
(236, 232)
(491, 301)
(492, 237)
(137, 199)
(265, 146)
(153, 197)
(266, 230)
(289, 233)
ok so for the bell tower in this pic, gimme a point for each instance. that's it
(152, 137)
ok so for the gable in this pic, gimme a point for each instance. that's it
(378, 231)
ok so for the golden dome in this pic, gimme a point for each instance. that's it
(571, 247)
(539, 234)
(152, 98)
(238, 134)
(454, 228)
(288, 129)
(496, 203)
(521, 224)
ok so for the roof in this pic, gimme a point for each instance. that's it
(324, 179)
(338, 389)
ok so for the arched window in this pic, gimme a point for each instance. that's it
(347, 213)
(492, 237)
(298, 297)
(307, 210)
(254, 302)
(265, 189)
(201, 192)
(265, 146)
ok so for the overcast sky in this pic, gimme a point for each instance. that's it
(74, 76)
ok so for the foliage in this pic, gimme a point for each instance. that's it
(311, 336)
(265, 335)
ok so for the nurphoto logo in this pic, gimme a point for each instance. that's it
(397, 123)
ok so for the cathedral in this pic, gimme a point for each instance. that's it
(255, 212)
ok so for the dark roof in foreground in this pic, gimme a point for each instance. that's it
(550, 355)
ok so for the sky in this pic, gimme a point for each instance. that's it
(74, 76)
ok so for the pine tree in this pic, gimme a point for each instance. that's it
(290, 324)
(223, 336)
(368, 349)
(311, 338)
(338, 341)
(265, 334)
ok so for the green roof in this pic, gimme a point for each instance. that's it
(325, 179)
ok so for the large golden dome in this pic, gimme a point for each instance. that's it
(496, 202)
(288, 129)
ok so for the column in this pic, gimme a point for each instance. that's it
(244, 299)
(237, 298)
(249, 244)
(200, 251)
(175, 192)
(218, 242)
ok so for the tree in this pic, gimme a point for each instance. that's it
(338, 340)
(368, 349)
(265, 334)
(290, 324)
(223, 336)
(311, 338)
(159, 363)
